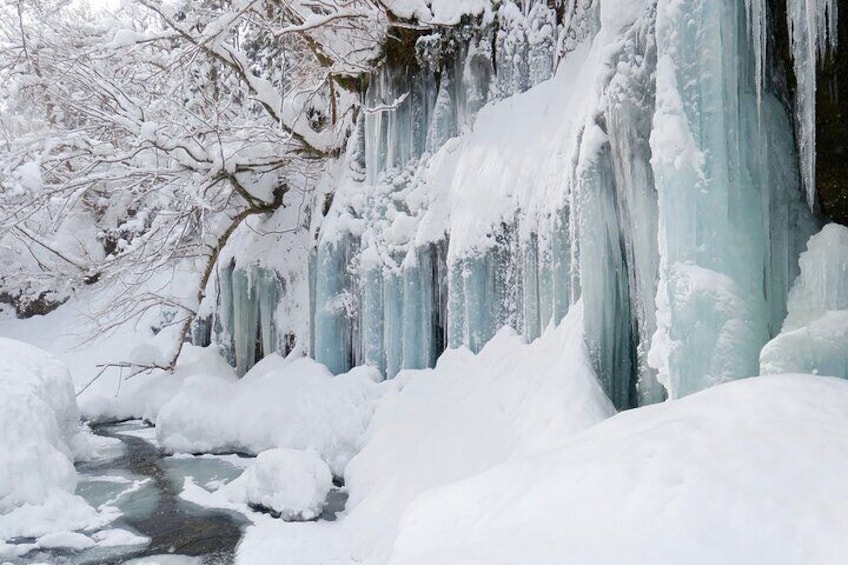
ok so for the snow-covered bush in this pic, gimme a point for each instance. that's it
(291, 482)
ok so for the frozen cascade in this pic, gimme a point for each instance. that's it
(655, 176)
(812, 25)
(244, 325)
(716, 196)
(332, 346)
(406, 301)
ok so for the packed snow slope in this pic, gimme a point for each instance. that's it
(751, 471)
(436, 426)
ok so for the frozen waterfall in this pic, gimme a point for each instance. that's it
(637, 155)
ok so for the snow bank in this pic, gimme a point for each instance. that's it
(440, 425)
(39, 420)
(748, 472)
(291, 482)
(80, 334)
(814, 337)
(295, 404)
(142, 396)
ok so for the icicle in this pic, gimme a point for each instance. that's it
(530, 271)
(331, 329)
(268, 295)
(755, 11)
(812, 31)
(393, 323)
(245, 321)
(372, 318)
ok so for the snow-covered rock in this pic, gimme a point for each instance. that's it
(814, 337)
(751, 471)
(295, 404)
(39, 423)
(292, 482)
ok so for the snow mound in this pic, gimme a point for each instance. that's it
(293, 483)
(291, 403)
(750, 471)
(468, 414)
(39, 424)
(38, 419)
(814, 337)
(142, 396)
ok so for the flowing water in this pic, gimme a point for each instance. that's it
(144, 485)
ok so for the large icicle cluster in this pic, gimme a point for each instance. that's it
(812, 28)
(385, 293)
(655, 176)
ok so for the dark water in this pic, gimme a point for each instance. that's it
(173, 525)
(145, 485)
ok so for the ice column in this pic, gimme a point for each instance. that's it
(331, 327)
(711, 312)
(814, 338)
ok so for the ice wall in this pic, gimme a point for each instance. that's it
(259, 300)
(397, 301)
(244, 324)
(634, 154)
(725, 179)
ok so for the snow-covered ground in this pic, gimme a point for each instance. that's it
(514, 456)
(747, 472)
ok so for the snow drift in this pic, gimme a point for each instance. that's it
(747, 472)
(293, 403)
(39, 420)
(436, 426)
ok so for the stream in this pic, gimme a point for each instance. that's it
(139, 483)
(144, 485)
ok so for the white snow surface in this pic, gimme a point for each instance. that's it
(143, 395)
(436, 426)
(81, 334)
(294, 403)
(747, 472)
(441, 12)
(38, 419)
(292, 482)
